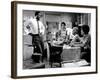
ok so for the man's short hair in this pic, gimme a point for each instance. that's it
(63, 23)
(85, 29)
(36, 13)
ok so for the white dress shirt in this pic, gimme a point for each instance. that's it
(33, 24)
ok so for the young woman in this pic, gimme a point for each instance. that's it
(62, 34)
(86, 43)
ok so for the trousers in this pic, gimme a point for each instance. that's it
(38, 43)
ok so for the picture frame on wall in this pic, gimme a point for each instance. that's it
(37, 50)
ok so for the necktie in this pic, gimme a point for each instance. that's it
(38, 27)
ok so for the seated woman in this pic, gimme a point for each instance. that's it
(86, 43)
(76, 38)
(62, 34)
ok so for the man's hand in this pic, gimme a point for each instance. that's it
(28, 27)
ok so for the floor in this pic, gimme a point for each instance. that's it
(30, 64)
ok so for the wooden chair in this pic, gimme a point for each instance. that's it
(55, 55)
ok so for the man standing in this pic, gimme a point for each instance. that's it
(36, 29)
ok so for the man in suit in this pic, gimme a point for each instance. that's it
(36, 29)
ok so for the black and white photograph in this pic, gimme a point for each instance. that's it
(54, 39)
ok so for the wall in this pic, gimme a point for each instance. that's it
(61, 17)
(52, 18)
(5, 41)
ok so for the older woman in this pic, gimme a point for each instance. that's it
(76, 37)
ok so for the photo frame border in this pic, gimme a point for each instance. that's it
(14, 37)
